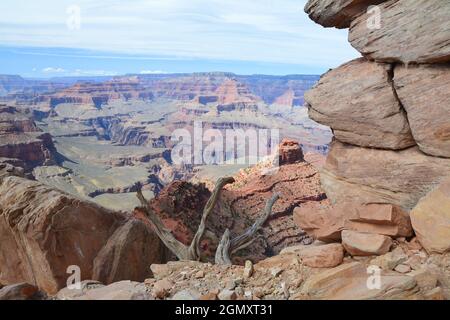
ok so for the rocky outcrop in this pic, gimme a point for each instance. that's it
(290, 152)
(381, 176)
(404, 75)
(358, 102)
(431, 219)
(337, 14)
(425, 96)
(43, 232)
(410, 31)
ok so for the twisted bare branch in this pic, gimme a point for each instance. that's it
(194, 248)
(228, 247)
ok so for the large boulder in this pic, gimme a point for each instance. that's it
(425, 94)
(353, 174)
(318, 256)
(339, 14)
(365, 244)
(411, 31)
(358, 102)
(431, 219)
(350, 282)
(326, 224)
(44, 231)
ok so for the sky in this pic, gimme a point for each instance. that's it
(51, 38)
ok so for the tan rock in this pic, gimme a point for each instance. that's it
(227, 295)
(326, 224)
(436, 294)
(322, 256)
(358, 102)
(425, 94)
(353, 174)
(187, 294)
(78, 293)
(411, 31)
(352, 281)
(161, 271)
(209, 296)
(339, 14)
(365, 244)
(122, 290)
(431, 219)
(128, 244)
(322, 223)
(390, 260)
(161, 288)
(248, 269)
(403, 268)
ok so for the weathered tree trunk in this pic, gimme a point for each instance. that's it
(228, 247)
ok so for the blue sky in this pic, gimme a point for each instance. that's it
(49, 38)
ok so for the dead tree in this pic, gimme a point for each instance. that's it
(226, 247)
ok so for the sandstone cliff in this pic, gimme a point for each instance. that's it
(389, 111)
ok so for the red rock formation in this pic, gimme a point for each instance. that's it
(44, 231)
(20, 139)
(290, 152)
(180, 205)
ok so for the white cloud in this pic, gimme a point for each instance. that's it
(79, 72)
(153, 72)
(53, 70)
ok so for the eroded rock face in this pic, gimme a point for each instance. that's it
(412, 31)
(358, 102)
(365, 244)
(339, 14)
(431, 219)
(381, 176)
(21, 140)
(44, 231)
(425, 94)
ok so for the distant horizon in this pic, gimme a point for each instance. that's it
(162, 75)
(35, 63)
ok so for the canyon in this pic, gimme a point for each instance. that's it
(109, 133)
(361, 212)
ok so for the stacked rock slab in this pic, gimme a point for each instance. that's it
(390, 110)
